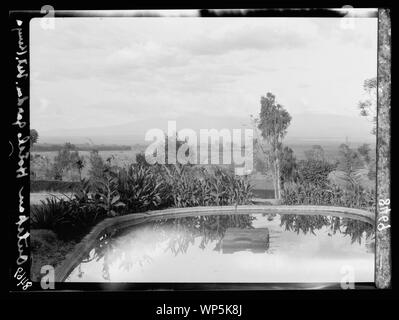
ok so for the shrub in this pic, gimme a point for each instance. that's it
(137, 189)
(314, 171)
(85, 210)
(288, 165)
(97, 165)
(352, 172)
(190, 187)
(50, 215)
(74, 217)
(66, 161)
(141, 189)
(311, 194)
(107, 195)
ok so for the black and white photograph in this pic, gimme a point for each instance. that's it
(168, 149)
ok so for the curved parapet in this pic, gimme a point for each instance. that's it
(109, 224)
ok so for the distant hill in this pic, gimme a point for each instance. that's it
(304, 128)
(44, 147)
(331, 149)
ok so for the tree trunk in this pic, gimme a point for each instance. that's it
(278, 181)
(277, 170)
(273, 166)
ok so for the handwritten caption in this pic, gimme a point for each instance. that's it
(21, 275)
(384, 210)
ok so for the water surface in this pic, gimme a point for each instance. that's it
(233, 248)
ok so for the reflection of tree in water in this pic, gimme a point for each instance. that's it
(112, 245)
(349, 227)
(117, 245)
(207, 228)
(181, 233)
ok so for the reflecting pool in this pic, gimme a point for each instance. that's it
(253, 248)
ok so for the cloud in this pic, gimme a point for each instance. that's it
(96, 72)
(251, 36)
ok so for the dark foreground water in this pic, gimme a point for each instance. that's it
(234, 248)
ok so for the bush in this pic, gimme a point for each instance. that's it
(72, 218)
(50, 215)
(141, 189)
(97, 165)
(314, 171)
(311, 194)
(137, 189)
(190, 187)
(67, 162)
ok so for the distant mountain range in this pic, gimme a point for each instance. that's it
(304, 128)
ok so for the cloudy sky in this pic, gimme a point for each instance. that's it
(102, 74)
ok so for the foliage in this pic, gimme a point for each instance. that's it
(273, 120)
(141, 189)
(260, 163)
(191, 187)
(67, 159)
(75, 216)
(368, 106)
(273, 123)
(97, 166)
(288, 168)
(355, 229)
(369, 160)
(85, 210)
(107, 194)
(349, 159)
(322, 183)
(34, 137)
(314, 171)
(364, 151)
(207, 229)
(140, 159)
(351, 172)
(311, 194)
(50, 214)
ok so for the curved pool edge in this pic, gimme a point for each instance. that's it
(81, 249)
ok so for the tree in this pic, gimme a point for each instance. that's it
(368, 106)
(315, 172)
(351, 173)
(67, 159)
(97, 166)
(364, 151)
(273, 123)
(261, 149)
(288, 165)
(34, 137)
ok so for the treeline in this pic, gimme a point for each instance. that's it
(80, 147)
